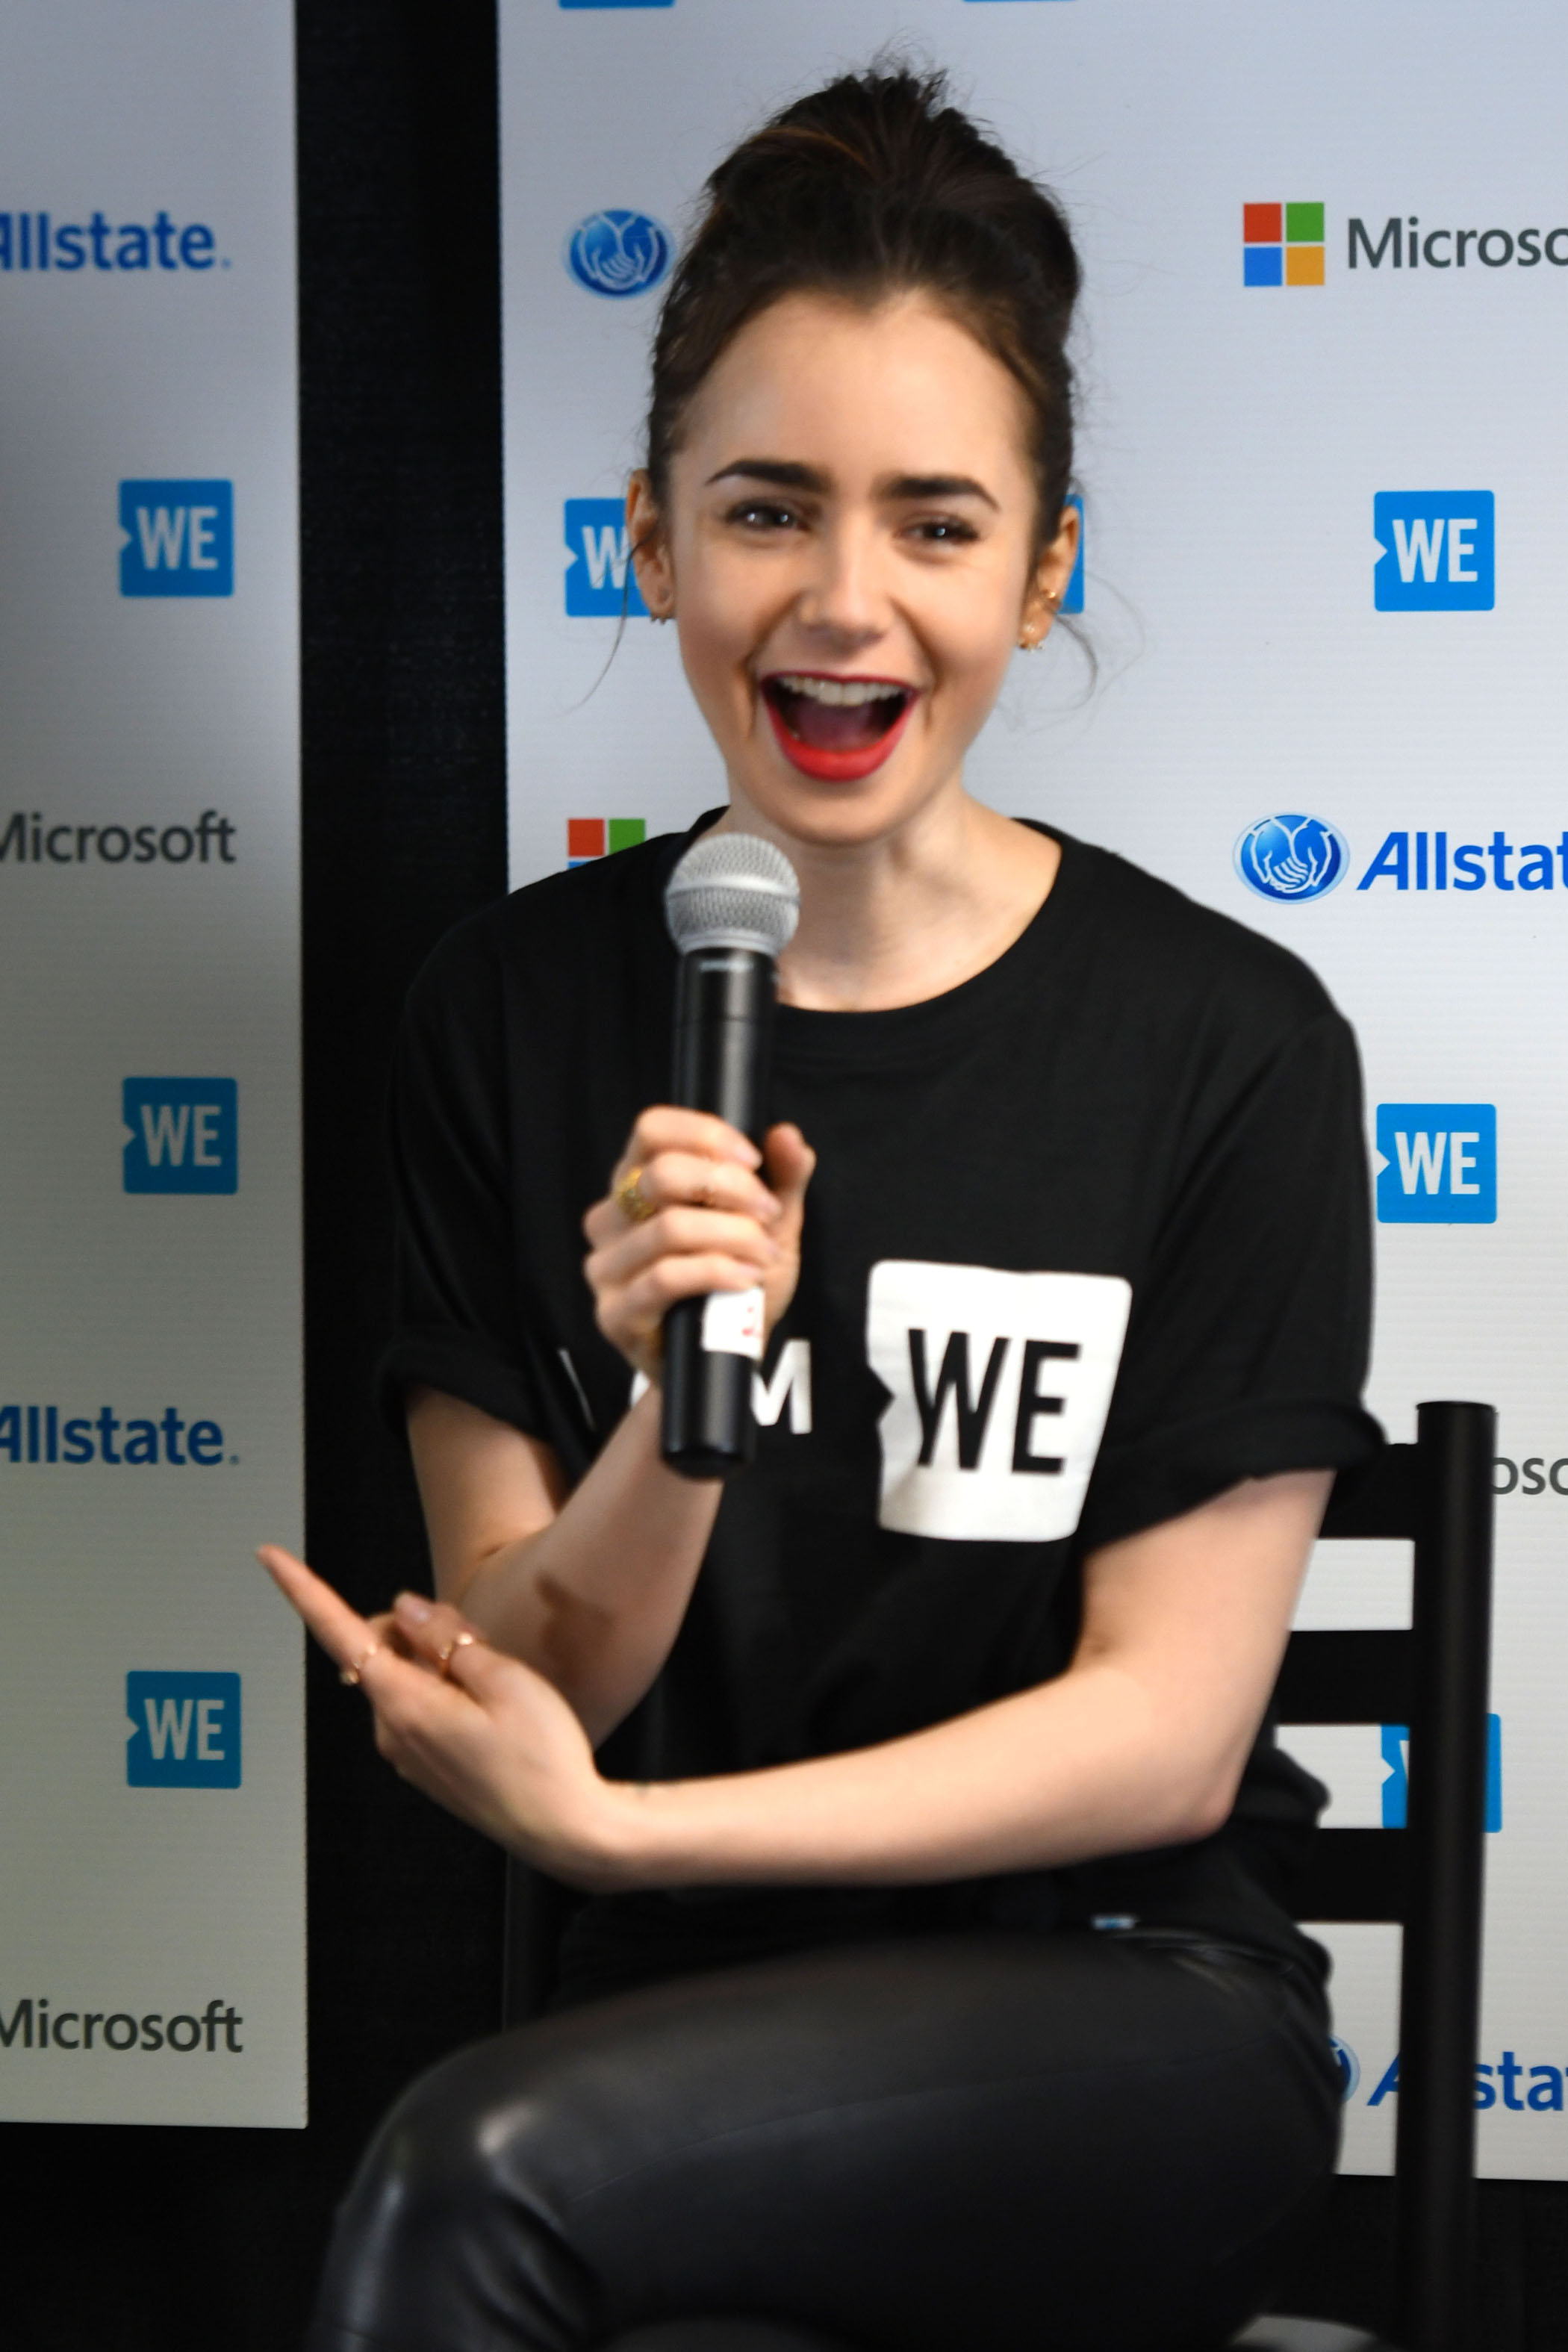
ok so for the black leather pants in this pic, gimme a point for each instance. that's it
(1072, 2143)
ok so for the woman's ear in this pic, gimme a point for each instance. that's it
(649, 548)
(1053, 571)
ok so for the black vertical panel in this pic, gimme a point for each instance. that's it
(404, 833)
(165, 2241)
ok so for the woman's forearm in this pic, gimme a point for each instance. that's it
(595, 1600)
(1092, 1763)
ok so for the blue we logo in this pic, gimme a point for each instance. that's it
(1437, 551)
(179, 539)
(1395, 1742)
(181, 1135)
(1437, 1163)
(600, 582)
(182, 1731)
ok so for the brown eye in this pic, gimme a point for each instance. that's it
(944, 531)
(758, 516)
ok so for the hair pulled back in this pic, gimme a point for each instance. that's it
(873, 186)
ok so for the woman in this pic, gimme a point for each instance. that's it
(933, 1984)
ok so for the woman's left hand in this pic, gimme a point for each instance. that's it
(481, 1733)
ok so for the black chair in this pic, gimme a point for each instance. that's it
(1436, 1495)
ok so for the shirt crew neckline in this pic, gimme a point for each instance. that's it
(912, 1032)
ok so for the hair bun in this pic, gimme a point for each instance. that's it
(874, 185)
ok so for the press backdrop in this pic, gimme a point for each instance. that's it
(151, 1932)
(1320, 361)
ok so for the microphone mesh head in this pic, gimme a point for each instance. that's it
(732, 890)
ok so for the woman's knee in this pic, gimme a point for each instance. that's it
(455, 2213)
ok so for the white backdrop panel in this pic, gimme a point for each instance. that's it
(151, 1940)
(1234, 438)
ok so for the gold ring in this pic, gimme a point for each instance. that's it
(350, 1674)
(631, 1200)
(458, 1641)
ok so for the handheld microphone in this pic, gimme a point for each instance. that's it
(732, 905)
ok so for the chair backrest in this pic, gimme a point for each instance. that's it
(1436, 1495)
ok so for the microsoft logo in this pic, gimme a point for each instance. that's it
(1282, 244)
(601, 836)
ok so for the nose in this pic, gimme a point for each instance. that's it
(845, 597)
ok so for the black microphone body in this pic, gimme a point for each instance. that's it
(731, 904)
(723, 1041)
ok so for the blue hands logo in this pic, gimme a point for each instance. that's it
(1291, 857)
(1349, 2066)
(617, 253)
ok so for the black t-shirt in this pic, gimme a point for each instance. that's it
(1086, 1244)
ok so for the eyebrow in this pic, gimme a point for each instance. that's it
(785, 474)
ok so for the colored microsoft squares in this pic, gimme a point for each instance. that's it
(599, 837)
(1282, 244)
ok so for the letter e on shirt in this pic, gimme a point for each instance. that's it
(999, 1386)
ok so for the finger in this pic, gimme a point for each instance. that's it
(484, 1674)
(690, 1179)
(683, 1180)
(789, 1160)
(790, 1165)
(666, 1128)
(343, 1634)
(680, 1233)
(433, 1629)
(390, 1634)
(648, 1292)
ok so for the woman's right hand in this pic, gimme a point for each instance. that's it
(720, 1215)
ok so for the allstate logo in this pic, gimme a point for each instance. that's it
(1290, 857)
(618, 253)
(1349, 2066)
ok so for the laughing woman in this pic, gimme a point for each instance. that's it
(933, 1982)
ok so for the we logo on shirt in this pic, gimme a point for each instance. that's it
(999, 1386)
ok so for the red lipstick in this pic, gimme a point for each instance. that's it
(835, 763)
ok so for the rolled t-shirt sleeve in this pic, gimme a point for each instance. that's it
(458, 1323)
(1247, 1343)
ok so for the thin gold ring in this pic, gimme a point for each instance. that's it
(458, 1641)
(351, 1674)
(631, 1200)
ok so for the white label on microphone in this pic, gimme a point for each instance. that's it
(732, 1323)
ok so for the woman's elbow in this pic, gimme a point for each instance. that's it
(1208, 1799)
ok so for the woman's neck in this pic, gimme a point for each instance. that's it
(912, 914)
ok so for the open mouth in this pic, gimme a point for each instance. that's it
(836, 727)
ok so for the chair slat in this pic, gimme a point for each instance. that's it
(1350, 1677)
(1353, 1874)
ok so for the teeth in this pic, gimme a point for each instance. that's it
(846, 693)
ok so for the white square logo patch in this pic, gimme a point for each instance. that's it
(1001, 1383)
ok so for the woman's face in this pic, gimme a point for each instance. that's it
(849, 551)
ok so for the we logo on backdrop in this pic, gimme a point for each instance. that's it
(181, 1135)
(600, 582)
(179, 539)
(183, 1731)
(1437, 1163)
(1365, 1769)
(1436, 552)
(998, 1387)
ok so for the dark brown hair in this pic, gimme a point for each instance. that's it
(873, 186)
